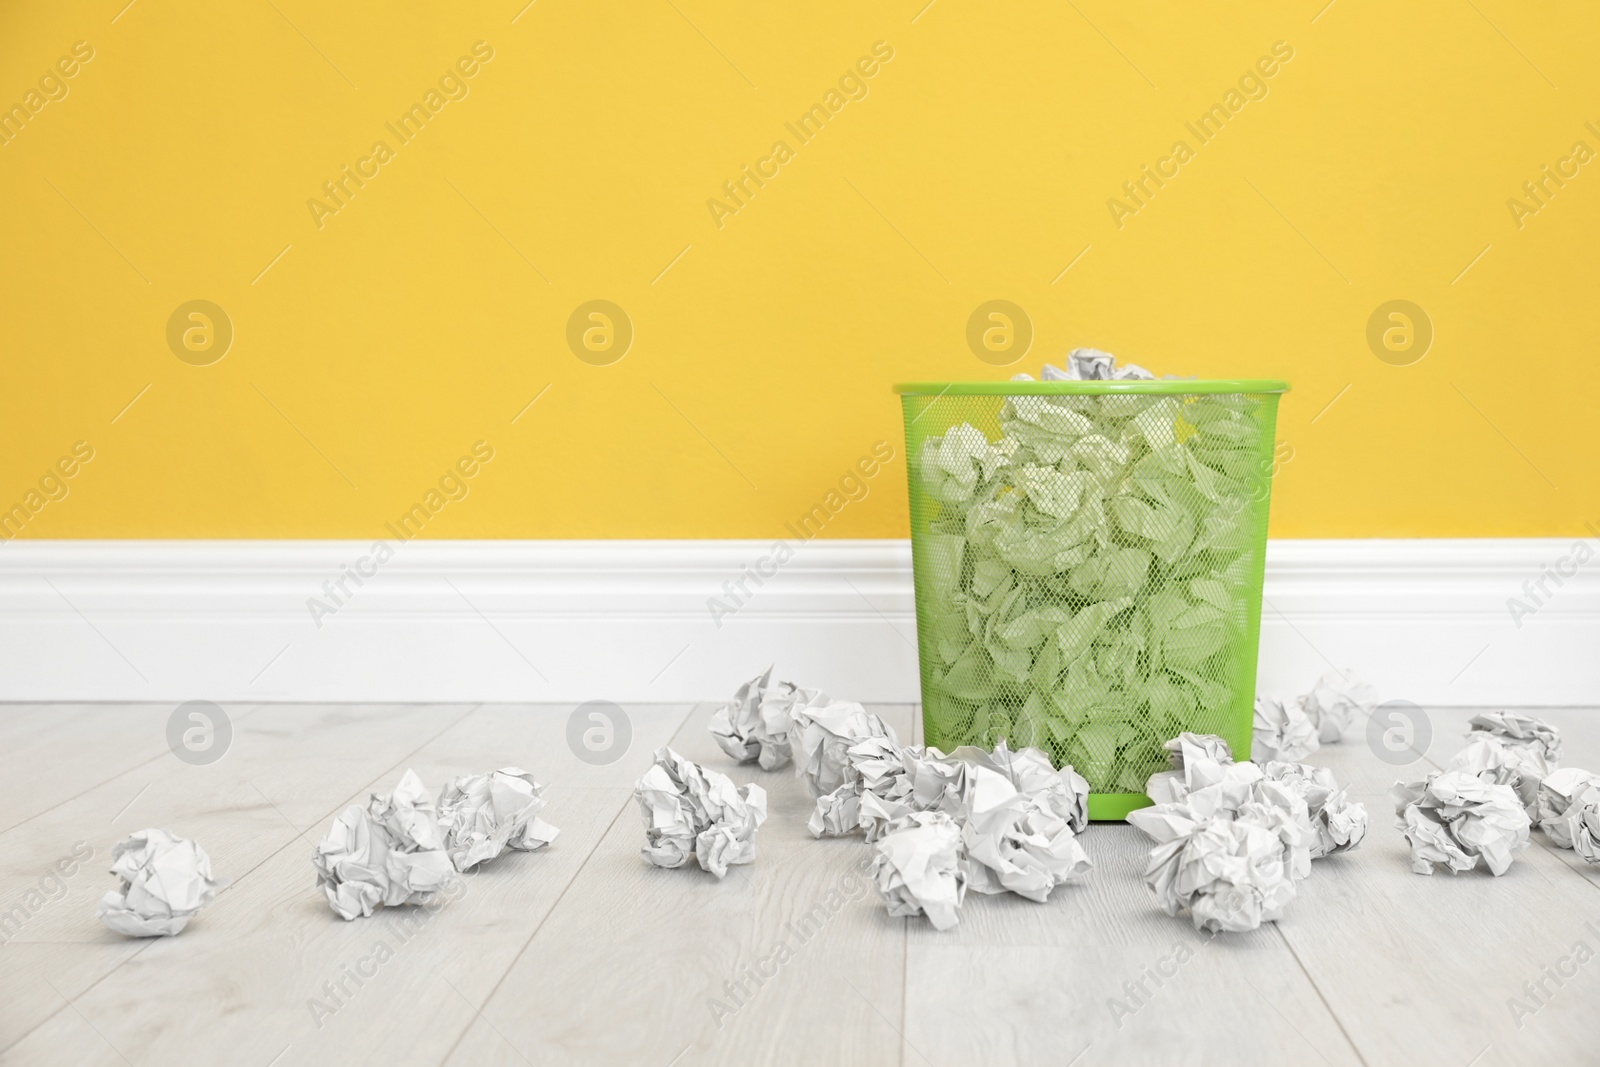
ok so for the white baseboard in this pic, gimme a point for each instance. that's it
(630, 621)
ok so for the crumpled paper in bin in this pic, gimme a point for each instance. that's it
(754, 726)
(166, 879)
(1090, 365)
(691, 811)
(1456, 818)
(918, 868)
(482, 815)
(389, 853)
(1521, 730)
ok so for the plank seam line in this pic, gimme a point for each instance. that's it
(905, 928)
(335, 810)
(235, 882)
(1554, 852)
(1318, 990)
(905, 984)
(512, 965)
(90, 789)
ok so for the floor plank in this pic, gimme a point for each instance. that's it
(585, 954)
(293, 765)
(660, 946)
(1424, 969)
(271, 943)
(1024, 983)
(56, 751)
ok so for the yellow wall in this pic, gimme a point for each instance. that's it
(428, 311)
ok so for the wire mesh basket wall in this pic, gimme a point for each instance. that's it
(1088, 562)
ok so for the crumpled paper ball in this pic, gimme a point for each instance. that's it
(885, 789)
(1519, 730)
(1282, 809)
(1456, 818)
(1190, 748)
(1093, 365)
(1207, 778)
(1022, 842)
(754, 726)
(482, 815)
(918, 868)
(1016, 816)
(166, 879)
(1202, 762)
(940, 783)
(1231, 874)
(1282, 731)
(1063, 790)
(837, 813)
(1581, 825)
(1339, 823)
(820, 740)
(1242, 791)
(1232, 839)
(1019, 816)
(875, 791)
(1522, 767)
(1191, 756)
(409, 815)
(888, 781)
(1557, 793)
(952, 466)
(389, 853)
(689, 810)
(914, 780)
(1336, 701)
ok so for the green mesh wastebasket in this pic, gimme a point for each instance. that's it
(1088, 560)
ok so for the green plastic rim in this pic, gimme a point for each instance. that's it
(1114, 807)
(1162, 387)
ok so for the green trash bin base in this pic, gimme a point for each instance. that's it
(1114, 807)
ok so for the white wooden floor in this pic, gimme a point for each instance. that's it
(583, 954)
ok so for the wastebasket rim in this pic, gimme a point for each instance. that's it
(1162, 386)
